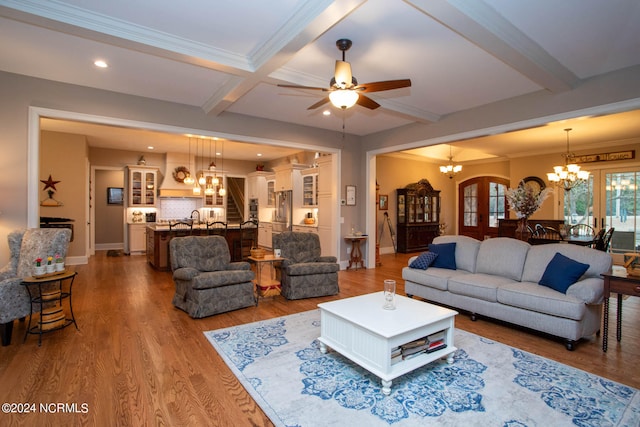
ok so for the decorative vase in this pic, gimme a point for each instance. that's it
(39, 270)
(51, 268)
(522, 232)
(59, 266)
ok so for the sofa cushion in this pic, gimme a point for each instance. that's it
(537, 298)
(466, 251)
(424, 260)
(212, 279)
(502, 256)
(433, 277)
(446, 255)
(305, 268)
(478, 285)
(539, 257)
(562, 272)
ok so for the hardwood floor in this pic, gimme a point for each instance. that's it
(137, 360)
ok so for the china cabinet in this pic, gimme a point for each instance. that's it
(418, 216)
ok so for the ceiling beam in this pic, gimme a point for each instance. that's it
(312, 19)
(479, 23)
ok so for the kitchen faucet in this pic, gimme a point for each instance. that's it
(197, 213)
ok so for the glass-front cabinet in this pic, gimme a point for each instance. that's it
(418, 216)
(142, 187)
(310, 187)
(271, 191)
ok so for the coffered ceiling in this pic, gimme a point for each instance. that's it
(229, 56)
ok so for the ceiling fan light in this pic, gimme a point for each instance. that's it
(343, 74)
(344, 98)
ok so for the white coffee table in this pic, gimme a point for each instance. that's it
(361, 330)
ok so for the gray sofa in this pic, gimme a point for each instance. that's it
(499, 277)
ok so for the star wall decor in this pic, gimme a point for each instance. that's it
(49, 183)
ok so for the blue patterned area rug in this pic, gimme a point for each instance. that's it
(279, 362)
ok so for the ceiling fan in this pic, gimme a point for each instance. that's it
(344, 90)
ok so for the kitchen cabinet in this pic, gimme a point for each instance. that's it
(271, 191)
(265, 232)
(214, 199)
(288, 177)
(418, 215)
(137, 238)
(310, 187)
(257, 186)
(142, 183)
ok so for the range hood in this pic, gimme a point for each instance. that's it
(169, 186)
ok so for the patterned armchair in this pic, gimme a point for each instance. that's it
(24, 247)
(304, 273)
(207, 283)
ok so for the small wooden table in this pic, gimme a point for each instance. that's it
(356, 253)
(52, 317)
(273, 287)
(619, 282)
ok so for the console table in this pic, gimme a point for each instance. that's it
(618, 281)
(47, 291)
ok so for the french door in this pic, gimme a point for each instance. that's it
(610, 198)
(481, 205)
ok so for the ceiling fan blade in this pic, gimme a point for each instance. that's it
(384, 85)
(367, 102)
(319, 103)
(343, 74)
(304, 87)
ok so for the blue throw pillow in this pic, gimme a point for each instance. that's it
(446, 255)
(424, 260)
(562, 272)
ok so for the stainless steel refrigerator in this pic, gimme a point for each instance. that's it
(284, 211)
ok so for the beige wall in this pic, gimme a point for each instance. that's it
(109, 219)
(65, 157)
(610, 93)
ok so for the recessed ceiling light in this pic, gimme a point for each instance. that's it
(151, 147)
(259, 154)
(326, 113)
(100, 63)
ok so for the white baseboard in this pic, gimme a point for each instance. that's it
(108, 246)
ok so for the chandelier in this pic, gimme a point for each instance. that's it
(450, 170)
(569, 175)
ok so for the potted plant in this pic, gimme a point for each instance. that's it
(524, 201)
(59, 263)
(39, 269)
(50, 267)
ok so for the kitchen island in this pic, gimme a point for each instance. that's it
(159, 236)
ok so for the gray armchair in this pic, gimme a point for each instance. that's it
(304, 273)
(207, 283)
(24, 247)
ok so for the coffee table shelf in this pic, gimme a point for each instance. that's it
(361, 330)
